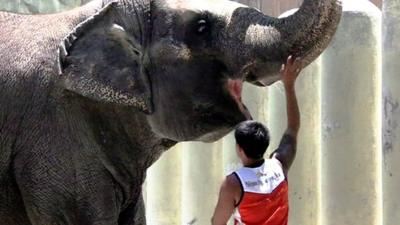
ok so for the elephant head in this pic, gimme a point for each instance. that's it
(183, 62)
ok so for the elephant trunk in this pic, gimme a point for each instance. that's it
(269, 41)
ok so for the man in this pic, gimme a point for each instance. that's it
(258, 192)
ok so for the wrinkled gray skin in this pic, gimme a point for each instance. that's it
(81, 121)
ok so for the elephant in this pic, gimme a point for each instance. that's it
(91, 97)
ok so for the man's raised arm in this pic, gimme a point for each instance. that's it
(286, 151)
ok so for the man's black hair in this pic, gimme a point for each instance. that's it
(253, 138)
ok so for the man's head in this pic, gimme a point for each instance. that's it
(253, 138)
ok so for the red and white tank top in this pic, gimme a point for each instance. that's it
(265, 195)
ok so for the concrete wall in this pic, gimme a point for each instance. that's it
(39, 6)
(391, 112)
(202, 175)
(163, 189)
(351, 119)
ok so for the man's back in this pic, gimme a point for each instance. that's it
(265, 195)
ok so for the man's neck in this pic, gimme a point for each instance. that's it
(253, 163)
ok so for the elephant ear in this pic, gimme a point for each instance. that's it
(99, 60)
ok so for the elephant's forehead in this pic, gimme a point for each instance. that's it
(218, 7)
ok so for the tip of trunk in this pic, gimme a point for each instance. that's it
(303, 32)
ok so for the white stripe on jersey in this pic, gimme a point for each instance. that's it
(264, 179)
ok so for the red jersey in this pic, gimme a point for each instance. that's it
(265, 195)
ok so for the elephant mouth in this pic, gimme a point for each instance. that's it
(235, 88)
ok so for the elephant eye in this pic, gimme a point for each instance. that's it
(198, 32)
(202, 26)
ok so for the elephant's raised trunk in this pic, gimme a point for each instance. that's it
(311, 28)
(269, 41)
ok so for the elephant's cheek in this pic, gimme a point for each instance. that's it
(170, 117)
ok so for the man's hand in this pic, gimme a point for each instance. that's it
(290, 71)
(286, 151)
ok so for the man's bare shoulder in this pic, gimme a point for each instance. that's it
(232, 181)
(232, 187)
